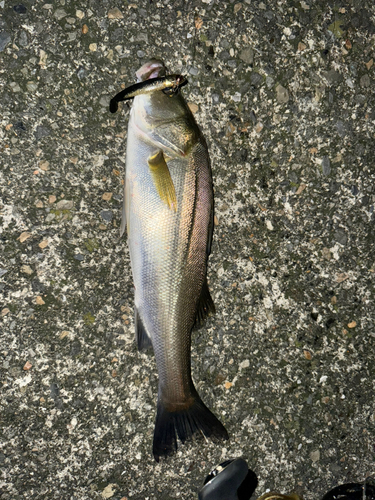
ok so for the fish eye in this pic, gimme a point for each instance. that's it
(170, 91)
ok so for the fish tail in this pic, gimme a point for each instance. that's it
(197, 418)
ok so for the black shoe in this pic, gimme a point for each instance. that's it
(231, 480)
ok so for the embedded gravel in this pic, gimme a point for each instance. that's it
(284, 92)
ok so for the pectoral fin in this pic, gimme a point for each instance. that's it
(162, 179)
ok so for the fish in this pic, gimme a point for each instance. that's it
(168, 215)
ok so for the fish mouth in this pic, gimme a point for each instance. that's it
(151, 69)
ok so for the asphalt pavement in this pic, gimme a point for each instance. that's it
(284, 93)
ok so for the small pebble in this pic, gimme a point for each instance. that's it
(327, 254)
(27, 366)
(244, 364)
(341, 277)
(42, 131)
(43, 165)
(193, 107)
(20, 9)
(31, 86)
(39, 300)
(115, 14)
(43, 244)
(5, 39)
(282, 94)
(307, 354)
(65, 205)
(256, 80)
(365, 81)
(333, 77)
(26, 269)
(15, 87)
(247, 55)
(198, 22)
(107, 215)
(341, 237)
(326, 165)
(24, 236)
(109, 491)
(60, 14)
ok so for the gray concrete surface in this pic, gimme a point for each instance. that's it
(284, 91)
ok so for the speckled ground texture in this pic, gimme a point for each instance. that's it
(284, 92)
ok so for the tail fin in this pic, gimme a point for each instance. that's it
(184, 423)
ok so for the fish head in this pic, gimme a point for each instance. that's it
(148, 107)
(154, 68)
(161, 119)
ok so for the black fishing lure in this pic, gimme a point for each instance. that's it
(168, 84)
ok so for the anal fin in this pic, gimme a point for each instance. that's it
(162, 179)
(143, 340)
(206, 305)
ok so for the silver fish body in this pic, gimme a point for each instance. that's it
(169, 219)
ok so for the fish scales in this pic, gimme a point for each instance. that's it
(168, 257)
(169, 216)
